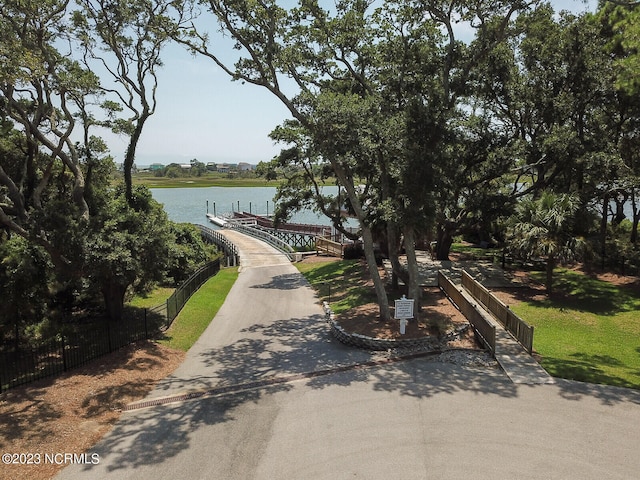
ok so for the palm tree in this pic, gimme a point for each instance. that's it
(543, 228)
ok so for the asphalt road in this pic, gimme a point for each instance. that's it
(417, 419)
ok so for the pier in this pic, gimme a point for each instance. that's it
(295, 235)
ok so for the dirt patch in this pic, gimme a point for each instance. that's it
(319, 258)
(70, 413)
(438, 316)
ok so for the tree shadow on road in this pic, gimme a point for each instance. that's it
(285, 281)
(285, 355)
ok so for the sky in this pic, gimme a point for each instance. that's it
(202, 114)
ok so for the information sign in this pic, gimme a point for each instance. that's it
(404, 308)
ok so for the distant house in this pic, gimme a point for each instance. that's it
(223, 168)
(185, 166)
(211, 166)
(245, 167)
(155, 167)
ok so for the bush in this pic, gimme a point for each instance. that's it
(353, 251)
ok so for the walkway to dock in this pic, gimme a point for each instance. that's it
(514, 359)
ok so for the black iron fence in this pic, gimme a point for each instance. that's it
(95, 339)
(228, 249)
(177, 300)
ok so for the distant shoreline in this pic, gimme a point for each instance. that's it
(200, 182)
(207, 180)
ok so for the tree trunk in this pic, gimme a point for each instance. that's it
(414, 290)
(367, 237)
(603, 227)
(130, 157)
(398, 270)
(381, 294)
(113, 294)
(636, 218)
(445, 240)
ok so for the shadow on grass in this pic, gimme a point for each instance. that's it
(344, 284)
(576, 291)
(589, 368)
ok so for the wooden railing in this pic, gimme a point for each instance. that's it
(483, 328)
(329, 247)
(521, 330)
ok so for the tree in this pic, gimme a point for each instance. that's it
(197, 168)
(620, 26)
(55, 191)
(127, 247)
(356, 73)
(41, 91)
(126, 39)
(544, 228)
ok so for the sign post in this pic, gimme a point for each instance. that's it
(403, 312)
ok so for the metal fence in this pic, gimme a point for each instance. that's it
(70, 350)
(482, 327)
(177, 300)
(521, 330)
(275, 242)
(229, 250)
(96, 339)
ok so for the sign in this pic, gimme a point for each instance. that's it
(404, 308)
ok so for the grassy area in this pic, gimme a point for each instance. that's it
(152, 299)
(588, 331)
(474, 252)
(196, 315)
(338, 282)
(206, 180)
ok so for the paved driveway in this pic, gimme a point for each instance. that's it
(417, 419)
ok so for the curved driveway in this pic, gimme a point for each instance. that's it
(277, 398)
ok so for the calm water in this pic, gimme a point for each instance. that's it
(190, 204)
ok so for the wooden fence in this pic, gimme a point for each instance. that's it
(521, 330)
(329, 247)
(485, 330)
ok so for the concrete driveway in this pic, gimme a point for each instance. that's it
(279, 399)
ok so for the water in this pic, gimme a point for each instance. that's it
(190, 204)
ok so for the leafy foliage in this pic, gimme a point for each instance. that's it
(543, 228)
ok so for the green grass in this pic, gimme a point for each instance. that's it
(338, 282)
(207, 180)
(151, 299)
(588, 331)
(196, 315)
(474, 252)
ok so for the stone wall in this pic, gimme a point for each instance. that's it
(370, 343)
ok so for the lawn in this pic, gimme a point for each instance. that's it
(207, 180)
(152, 299)
(198, 312)
(588, 331)
(338, 282)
